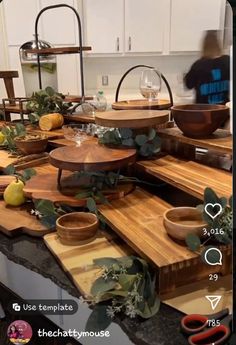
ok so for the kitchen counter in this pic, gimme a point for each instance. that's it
(162, 329)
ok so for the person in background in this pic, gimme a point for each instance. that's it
(210, 74)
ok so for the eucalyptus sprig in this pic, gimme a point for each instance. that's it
(10, 133)
(147, 145)
(125, 285)
(223, 222)
(24, 175)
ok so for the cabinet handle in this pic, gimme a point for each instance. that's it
(130, 44)
(118, 44)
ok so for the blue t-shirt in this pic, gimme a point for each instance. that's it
(210, 79)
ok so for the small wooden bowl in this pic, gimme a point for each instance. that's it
(31, 146)
(77, 227)
(181, 221)
(199, 120)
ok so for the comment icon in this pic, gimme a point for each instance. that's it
(212, 256)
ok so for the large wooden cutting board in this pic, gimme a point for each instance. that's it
(77, 261)
(7, 159)
(15, 220)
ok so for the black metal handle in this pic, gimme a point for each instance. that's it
(145, 66)
(80, 43)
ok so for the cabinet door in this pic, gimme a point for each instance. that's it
(189, 20)
(104, 25)
(58, 25)
(144, 25)
(20, 17)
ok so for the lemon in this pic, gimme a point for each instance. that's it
(2, 138)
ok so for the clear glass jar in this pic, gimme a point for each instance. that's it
(101, 101)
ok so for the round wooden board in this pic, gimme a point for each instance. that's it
(45, 187)
(132, 118)
(89, 157)
(139, 104)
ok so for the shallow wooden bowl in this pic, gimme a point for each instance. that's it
(199, 120)
(31, 146)
(181, 221)
(76, 227)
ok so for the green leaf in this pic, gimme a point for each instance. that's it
(50, 91)
(223, 202)
(102, 285)
(193, 242)
(102, 198)
(49, 221)
(98, 319)
(141, 139)
(45, 207)
(105, 262)
(10, 170)
(83, 195)
(28, 173)
(146, 150)
(126, 281)
(110, 295)
(210, 196)
(151, 134)
(91, 205)
(231, 201)
(156, 144)
(20, 129)
(150, 311)
(128, 142)
(125, 133)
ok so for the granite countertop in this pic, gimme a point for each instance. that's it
(162, 329)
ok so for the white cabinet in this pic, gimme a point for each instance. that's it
(104, 30)
(189, 19)
(144, 25)
(20, 17)
(58, 25)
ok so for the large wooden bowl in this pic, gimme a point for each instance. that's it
(77, 227)
(199, 120)
(31, 146)
(181, 221)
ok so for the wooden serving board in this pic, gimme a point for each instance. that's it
(7, 159)
(139, 104)
(188, 176)
(138, 219)
(89, 157)
(44, 186)
(77, 261)
(5, 180)
(132, 118)
(15, 220)
(54, 134)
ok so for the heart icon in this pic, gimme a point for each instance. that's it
(213, 210)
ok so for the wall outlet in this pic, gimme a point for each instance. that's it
(105, 80)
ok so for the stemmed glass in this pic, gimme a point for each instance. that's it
(150, 83)
(76, 132)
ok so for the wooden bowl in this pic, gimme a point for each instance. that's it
(199, 120)
(31, 146)
(77, 227)
(181, 221)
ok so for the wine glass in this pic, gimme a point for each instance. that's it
(150, 83)
(76, 132)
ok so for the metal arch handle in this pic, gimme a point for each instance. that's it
(146, 66)
(80, 43)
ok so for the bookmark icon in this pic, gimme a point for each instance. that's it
(214, 300)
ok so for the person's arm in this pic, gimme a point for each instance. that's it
(190, 77)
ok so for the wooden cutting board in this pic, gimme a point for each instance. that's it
(77, 261)
(41, 187)
(132, 118)
(15, 220)
(7, 159)
(5, 180)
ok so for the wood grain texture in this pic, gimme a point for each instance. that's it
(7, 159)
(89, 157)
(138, 219)
(57, 50)
(5, 180)
(132, 118)
(139, 104)
(80, 118)
(188, 176)
(54, 134)
(220, 141)
(44, 186)
(15, 220)
(77, 261)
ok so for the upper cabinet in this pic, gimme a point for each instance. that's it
(150, 26)
(190, 18)
(104, 25)
(144, 25)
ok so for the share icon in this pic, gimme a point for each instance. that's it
(214, 300)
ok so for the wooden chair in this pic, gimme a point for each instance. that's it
(12, 104)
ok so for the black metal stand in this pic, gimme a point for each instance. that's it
(80, 43)
(139, 66)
